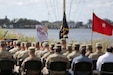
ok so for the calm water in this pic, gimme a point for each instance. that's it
(75, 34)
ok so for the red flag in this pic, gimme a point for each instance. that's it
(101, 26)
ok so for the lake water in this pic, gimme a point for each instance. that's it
(75, 34)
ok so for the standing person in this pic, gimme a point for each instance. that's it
(4, 54)
(107, 57)
(97, 53)
(63, 44)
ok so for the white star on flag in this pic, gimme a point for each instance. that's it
(103, 25)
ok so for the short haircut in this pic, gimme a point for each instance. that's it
(109, 49)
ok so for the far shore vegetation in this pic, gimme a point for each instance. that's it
(23, 23)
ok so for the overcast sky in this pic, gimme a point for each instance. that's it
(76, 10)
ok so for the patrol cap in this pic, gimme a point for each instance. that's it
(31, 49)
(28, 44)
(63, 39)
(2, 43)
(57, 46)
(51, 45)
(69, 47)
(88, 46)
(18, 42)
(98, 44)
(65, 36)
(83, 46)
(45, 44)
(76, 44)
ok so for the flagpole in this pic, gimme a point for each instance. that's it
(92, 33)
(91, 37)
(64, 6)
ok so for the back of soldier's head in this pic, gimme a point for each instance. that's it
(45, 45)
(2, 43)
(63, 41)
(31, 50)
(51, 46)
(89, 47)
(69, 47)
(27, 44)
(58, 48)
(98, 45)
(18, 43)
(76, 46)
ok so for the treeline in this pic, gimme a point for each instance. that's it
(29, 23)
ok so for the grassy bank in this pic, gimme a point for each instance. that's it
(19, 36)
(6, 34)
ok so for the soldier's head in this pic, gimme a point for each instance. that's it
(69, 47)
(22, 45)
(35, 44)
(98, 46)
(18, 43)
(58, 48)
(63, 41)
(31, 50)
(51, 46)
(76, 46)
(2, 44)
(89, 47)
(27, 45)
(45, 45)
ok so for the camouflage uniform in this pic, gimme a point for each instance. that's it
(75, 51)
(30, 57)
(73, 54)
(69, 50)
(5, 54)
(98, 52)
(46, 55)
(57, 57)
(23, 54)
(95, 55)
(14, 50)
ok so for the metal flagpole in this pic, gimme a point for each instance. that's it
(64, 6)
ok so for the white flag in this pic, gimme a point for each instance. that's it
(42, 34)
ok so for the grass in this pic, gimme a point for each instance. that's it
(5, 34)
(24, 38)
